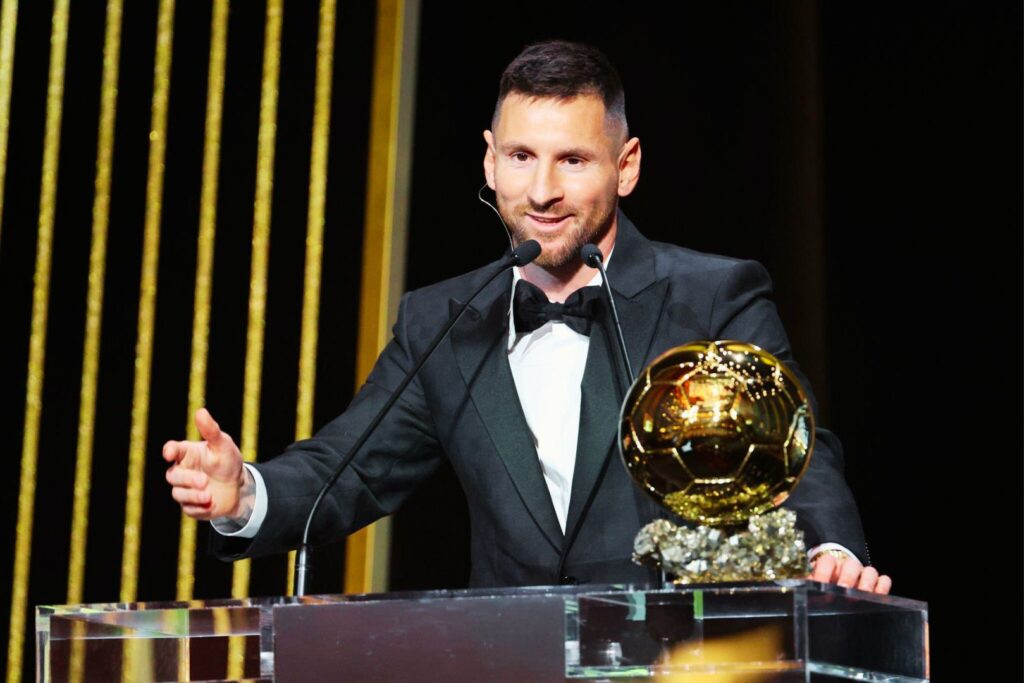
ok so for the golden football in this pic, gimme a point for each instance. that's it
(717, 431)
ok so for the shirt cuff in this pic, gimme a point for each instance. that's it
(818, 549)
(259, 510)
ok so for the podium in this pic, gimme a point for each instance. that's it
(792, 630)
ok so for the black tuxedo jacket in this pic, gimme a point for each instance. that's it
(463, 406)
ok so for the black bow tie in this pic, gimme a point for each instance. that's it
(531, 308)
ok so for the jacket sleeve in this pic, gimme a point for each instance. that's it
(402, 452)
(826, 511)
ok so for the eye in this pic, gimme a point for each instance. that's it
(520, 157)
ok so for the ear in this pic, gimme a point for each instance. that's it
(489, 159)
(629, 166)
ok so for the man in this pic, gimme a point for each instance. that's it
(526, 409)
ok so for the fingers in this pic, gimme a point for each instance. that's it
(201, 512)
(868, 579)
(174, 451)
(849, 573)
(824, 568)
(186, 478)
(197, 512)
(182, 452)
(208, 427)
(191, 497)
(193, 463)
(189, 491)
(871, 582)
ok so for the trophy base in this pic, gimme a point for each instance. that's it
(770, 548)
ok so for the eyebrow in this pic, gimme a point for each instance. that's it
(513, 145)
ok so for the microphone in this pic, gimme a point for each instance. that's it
(520, 256)
(593, 257)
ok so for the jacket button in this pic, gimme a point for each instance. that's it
(568, 580)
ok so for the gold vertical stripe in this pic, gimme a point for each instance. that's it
(315, 219)
(37, 339)
(366, 562)
(76, 667)
(147, 301)
(314, 233)
(258, 283)
(260, 245)
(94, 301)
(138, 660)
(93, 322)
(8, 26)
(204, 270)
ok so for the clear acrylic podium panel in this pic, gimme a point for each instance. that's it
(778, 631)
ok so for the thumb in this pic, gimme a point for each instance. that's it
(208, 427)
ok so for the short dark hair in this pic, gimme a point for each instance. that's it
(563, 70)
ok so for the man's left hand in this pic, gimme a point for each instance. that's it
(849, 573)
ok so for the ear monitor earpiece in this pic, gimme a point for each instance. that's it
(480, 196)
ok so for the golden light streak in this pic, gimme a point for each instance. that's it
(147, 301)
(258, 277)
(366, 561)
(204, 271)
(260, 248)
(93, 321)
(37, 339)
(94, 301)
(257, 284)
(314, 234)
(76, 667)
(8, 27)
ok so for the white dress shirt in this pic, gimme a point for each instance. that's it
(547, 366)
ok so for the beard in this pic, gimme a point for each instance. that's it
(563, 248)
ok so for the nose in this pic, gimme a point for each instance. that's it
(544, 189)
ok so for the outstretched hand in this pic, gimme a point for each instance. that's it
(207, 477)
(849, 573)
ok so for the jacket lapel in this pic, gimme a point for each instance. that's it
(600, 397)
(479, 341)
(640, 295)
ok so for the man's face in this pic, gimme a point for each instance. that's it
(557, 168)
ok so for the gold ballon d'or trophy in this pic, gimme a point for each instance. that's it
(719, 433)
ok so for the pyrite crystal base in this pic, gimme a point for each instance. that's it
(771, 548)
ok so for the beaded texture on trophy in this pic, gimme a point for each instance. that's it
(719, 433)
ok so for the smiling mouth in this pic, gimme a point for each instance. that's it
(547, 220)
